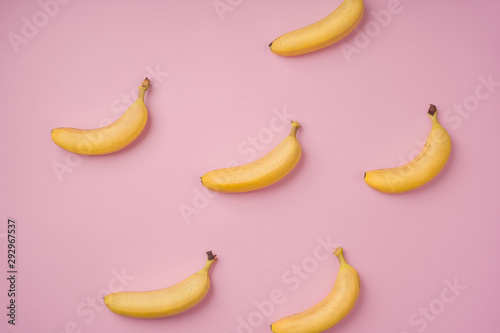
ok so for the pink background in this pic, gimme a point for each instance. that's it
(87, 225)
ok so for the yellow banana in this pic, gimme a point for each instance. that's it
(321, 34)
(107, 139)
(420, 170)
(260, 173)
(163, 302)
(332, 309)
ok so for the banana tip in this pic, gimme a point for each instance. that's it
(146, 83)
(432, 109)
(211, 256)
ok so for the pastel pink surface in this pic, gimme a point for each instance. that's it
(140, 219)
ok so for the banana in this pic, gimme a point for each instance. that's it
(321, 34)
(163, 302)
(332, 309)
(420, 170)
(260, 173)
(107, 139)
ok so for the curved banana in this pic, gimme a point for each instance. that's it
(260, 173)
(107, 139)
(420, 170)
(321, 34)
(332, 309)
(163, 302)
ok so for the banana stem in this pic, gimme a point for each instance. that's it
(433, 114)
(142, 89)
(432, 110)
(211, 258)
(339, 252)
(295, 128)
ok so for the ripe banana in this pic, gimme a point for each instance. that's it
(163, 302)
(321, 34)
(107, 139)
(420, 170)
(260, 173)
(332, 309)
